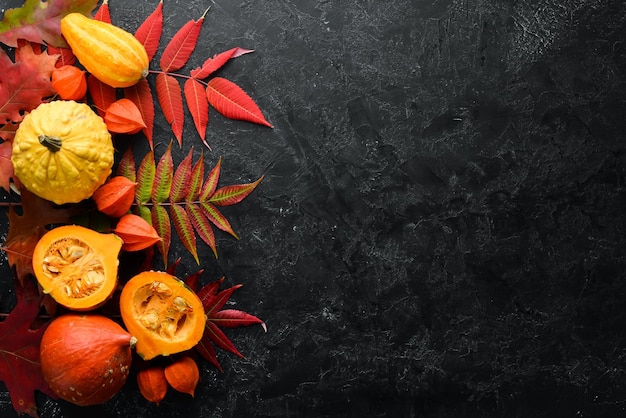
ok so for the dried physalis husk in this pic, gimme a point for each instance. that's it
(69, 82)
(183, 374)
(136, 233)
(124, 117)
(152, 383)
(115, 197)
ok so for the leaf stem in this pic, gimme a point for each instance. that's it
(178, 75)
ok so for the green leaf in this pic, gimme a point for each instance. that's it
(39, 21)
(202, 225)
(216, 217)
(145, 179)
(161, 223)
(163, 177)
(144, 212)
(184, 229)
(181, 180)
(231, 195)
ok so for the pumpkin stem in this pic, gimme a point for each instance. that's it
(53, 143)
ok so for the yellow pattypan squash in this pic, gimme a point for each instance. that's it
(62, 151)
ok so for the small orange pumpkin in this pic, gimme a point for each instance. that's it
(164, 314)
(85, 359)
(77, 266)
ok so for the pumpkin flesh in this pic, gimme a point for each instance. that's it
(77, 266)
(163, 313)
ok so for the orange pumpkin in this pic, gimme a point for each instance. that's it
(85, 359)
(77, 266)
(163, 313)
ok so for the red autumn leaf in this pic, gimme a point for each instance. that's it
(198, 106)
(26, 229)
(171, 101)
(149, 32)
(232, 102)
(103, 13)
(66, 56)
(233, 318)
(213, 301)
(141, 95)
(39, 21)
(181, 46)
(102, 94)
(6, 166)
(230, 195)
(217, 61)
(123, 117)
(25, 83)
(20, 369)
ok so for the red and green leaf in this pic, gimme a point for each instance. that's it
(215, 216)
(189, 197)
(232, 102)
(162, 224)
(163, 177)
(184, 229)
(39, 21)
(126, 165)
(145, 179)
(230, 195)
(182, 179)
(202, 226)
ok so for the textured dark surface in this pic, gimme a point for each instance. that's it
(440, 231)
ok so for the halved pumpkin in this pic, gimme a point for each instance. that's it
(77, 266)
(165, 315)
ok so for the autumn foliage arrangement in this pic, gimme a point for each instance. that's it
(76, 86)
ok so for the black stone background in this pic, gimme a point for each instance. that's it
(440, 231)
